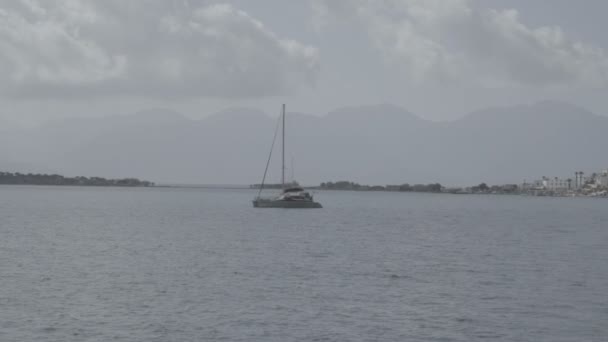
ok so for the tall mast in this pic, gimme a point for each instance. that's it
(283, 158)
(293, 177)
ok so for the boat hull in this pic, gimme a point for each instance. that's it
(270, 203)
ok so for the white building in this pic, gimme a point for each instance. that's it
(554, 184)
(602, 179)
(557, 184)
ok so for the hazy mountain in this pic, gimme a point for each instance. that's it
(381, 144)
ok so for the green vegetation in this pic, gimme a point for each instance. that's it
(346, 185)
(45, 179)
(341, 185)
(482, 188)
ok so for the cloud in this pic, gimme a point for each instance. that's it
(454, 41)
(62, 48)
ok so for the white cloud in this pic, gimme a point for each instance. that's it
(452, 40)
(159, 48)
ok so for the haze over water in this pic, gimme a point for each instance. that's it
(161, 264)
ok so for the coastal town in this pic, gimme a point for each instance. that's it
(594, 184)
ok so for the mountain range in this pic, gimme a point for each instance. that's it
(375, 144)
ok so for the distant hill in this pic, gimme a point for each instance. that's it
(379, 144)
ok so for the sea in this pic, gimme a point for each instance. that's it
(192, 264)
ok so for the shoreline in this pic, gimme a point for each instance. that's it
(313, 188)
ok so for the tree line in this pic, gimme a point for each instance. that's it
(54, 179)
(346, 185)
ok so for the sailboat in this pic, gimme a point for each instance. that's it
(291, 196)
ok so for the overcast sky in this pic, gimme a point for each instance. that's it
(439, 59)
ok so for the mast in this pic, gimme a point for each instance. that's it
(274, 139)
(283, 157)
(293, 177)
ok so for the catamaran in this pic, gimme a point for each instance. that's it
(291, 196)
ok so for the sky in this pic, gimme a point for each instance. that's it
(437, 58)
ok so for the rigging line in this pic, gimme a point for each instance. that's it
(276, 130)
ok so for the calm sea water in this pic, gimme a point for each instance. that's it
(107, 264)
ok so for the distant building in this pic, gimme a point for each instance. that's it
(553, 184)
(556, 184)
(602, 179)
(535, 185)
